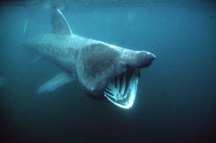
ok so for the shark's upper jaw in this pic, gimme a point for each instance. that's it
(122, 89)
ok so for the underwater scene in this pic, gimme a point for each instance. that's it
(117, 71)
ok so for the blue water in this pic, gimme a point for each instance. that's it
(176, 94)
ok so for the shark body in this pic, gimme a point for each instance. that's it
(101, 68)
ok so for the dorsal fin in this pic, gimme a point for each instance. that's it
(59, 23)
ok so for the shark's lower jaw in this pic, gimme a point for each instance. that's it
(121, 90)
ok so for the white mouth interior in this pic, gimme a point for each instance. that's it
(121, 90)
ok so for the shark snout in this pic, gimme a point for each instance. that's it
(144, 59)
(137, 59)
(151, 56)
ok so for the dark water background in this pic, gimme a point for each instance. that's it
(176, 94)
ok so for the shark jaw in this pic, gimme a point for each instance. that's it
(121, 90)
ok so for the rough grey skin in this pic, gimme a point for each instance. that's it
(93, 63)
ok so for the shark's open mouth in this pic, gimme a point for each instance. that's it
(121, 90)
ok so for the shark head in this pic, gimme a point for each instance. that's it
(112, 71)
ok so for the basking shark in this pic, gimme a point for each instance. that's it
(102, 69)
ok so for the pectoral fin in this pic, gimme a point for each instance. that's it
(58, 81)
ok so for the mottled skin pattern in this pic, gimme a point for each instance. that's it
(92, 62)
(98, 64)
